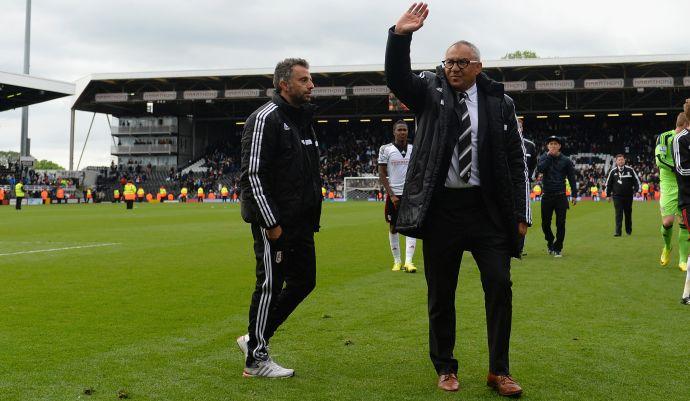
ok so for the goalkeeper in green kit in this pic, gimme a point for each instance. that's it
(669, 195)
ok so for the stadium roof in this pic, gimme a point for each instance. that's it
(18, 90)
(538, 85)
(503, 63)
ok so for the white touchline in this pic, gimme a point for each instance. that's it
(58, 249)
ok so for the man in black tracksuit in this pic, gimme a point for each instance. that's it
(530, 151)
(555, 168)
(681, 157)
(621, 185)
(531, 161)
(281, 198)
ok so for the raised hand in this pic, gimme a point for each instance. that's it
(412, 19)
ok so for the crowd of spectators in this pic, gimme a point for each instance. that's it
(221, 167)
(634, 139)
(348, 151)
(10, 174)
(152, 141)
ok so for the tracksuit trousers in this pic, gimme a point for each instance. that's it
(623, 206)
(549, 204)
(285, 275)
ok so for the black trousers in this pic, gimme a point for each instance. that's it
(554, 203)
(285, 275)
(130, 203)
(458, 221)
(623, 206)
(18, 206)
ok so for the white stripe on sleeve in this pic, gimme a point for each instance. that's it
(254, 164)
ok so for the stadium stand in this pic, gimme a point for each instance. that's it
(593, 143)
(350, 152)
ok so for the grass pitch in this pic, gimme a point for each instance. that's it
(147, 305)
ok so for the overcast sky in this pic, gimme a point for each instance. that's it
(74, 38)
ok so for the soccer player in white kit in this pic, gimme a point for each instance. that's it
(393, 160)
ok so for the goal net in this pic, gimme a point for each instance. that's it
(361, 188)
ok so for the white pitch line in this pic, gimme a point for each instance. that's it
(58, 249)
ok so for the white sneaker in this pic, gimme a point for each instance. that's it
(243, 343)
(267, 369)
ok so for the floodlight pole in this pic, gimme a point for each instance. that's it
(71, 141)
(24, 144)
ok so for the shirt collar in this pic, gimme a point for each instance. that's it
(471, 93)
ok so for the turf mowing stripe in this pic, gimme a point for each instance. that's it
(57, 249)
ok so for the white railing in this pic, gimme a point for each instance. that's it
(154, 129)
(142, 149)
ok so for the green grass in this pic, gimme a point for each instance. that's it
(158, 313)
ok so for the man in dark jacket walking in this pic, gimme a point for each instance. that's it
(621, 185)
(555, 168)
(281, 198)
(466, 190)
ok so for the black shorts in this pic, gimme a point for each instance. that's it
(391, 212)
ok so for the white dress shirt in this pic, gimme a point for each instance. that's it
(453, 180)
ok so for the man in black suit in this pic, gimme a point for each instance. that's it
(466, 190)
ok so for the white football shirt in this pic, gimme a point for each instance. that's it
(396, 163)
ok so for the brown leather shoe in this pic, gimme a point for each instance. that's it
(448, 382)
(505, 385)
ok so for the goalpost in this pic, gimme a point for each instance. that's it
(360, 188)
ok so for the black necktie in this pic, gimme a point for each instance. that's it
(464, 147)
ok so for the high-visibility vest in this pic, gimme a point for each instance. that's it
(149, 197)
(537, 190)
(200, 192)
(2, 194)
(19, 190)
(60, 193)
(594, 190)
(171, 197)
(183, 191)
(116, 194)
(44, 194)
(163, 192)
(88, 194)
(212, 196)
(323, 191)
(130, 192)
(645, 188)
(224, 191)
(140, 192)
